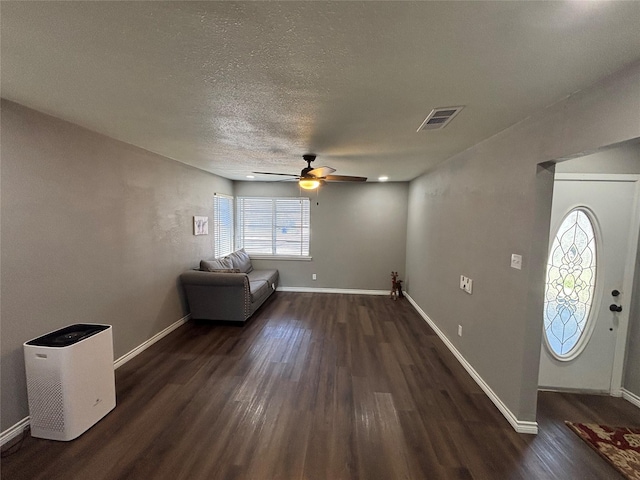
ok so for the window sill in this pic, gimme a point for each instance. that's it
(281, 257)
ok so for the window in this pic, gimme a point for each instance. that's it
(222, 224)
(571, 276)
(274, 226)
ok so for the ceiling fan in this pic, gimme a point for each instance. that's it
(311, 178)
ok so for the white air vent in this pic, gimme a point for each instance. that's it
(439, 118)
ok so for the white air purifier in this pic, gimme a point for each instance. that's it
(70, 380)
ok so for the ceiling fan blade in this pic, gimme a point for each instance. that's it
(296, 179)
(321, 171)
(344, 178)
(271, 173)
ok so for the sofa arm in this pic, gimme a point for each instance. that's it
(217, 296)
(198, 277)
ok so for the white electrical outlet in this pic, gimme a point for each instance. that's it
(466, 284)
(516, 261)
(313, 276)
(459, 330)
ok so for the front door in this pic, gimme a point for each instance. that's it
(592, 247)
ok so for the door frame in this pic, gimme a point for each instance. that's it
(627, 282)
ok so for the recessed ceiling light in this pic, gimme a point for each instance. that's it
(383, 179)
(251, 176)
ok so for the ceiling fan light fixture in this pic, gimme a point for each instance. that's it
(309, 183)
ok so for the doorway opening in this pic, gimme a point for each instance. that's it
(592, 260)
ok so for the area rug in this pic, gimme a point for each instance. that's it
(620, 446)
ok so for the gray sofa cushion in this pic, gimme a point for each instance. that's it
(216, 265)
(269, 276)
(259, 290)
(241, 260)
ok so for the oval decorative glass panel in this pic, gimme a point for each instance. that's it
(571, 278)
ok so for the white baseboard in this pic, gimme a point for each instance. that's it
(631, 397)
(143, 346)
(17, 429)
(344, 291)
(520, 426)
(579, 391)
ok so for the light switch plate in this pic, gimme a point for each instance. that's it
(516, 261)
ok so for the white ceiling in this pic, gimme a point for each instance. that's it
(232, 87)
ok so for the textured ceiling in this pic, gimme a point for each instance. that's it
(231, 87)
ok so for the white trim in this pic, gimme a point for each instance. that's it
(15, 431)
(578, 391)
(301, 258)
(143, 346)
(520, 426)
(616, 393)
(630, 397)
(344, 291)
(12, 432)
(598, 177)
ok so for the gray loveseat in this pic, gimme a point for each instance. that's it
(228, 288)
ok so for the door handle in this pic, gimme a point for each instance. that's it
(615, 308)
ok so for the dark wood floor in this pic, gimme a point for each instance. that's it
(316, 386)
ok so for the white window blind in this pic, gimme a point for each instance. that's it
(273, 226)
(222, 224)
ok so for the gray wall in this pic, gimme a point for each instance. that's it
(619, 159)
(93, 230)
(471, 213)
(358, 234)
